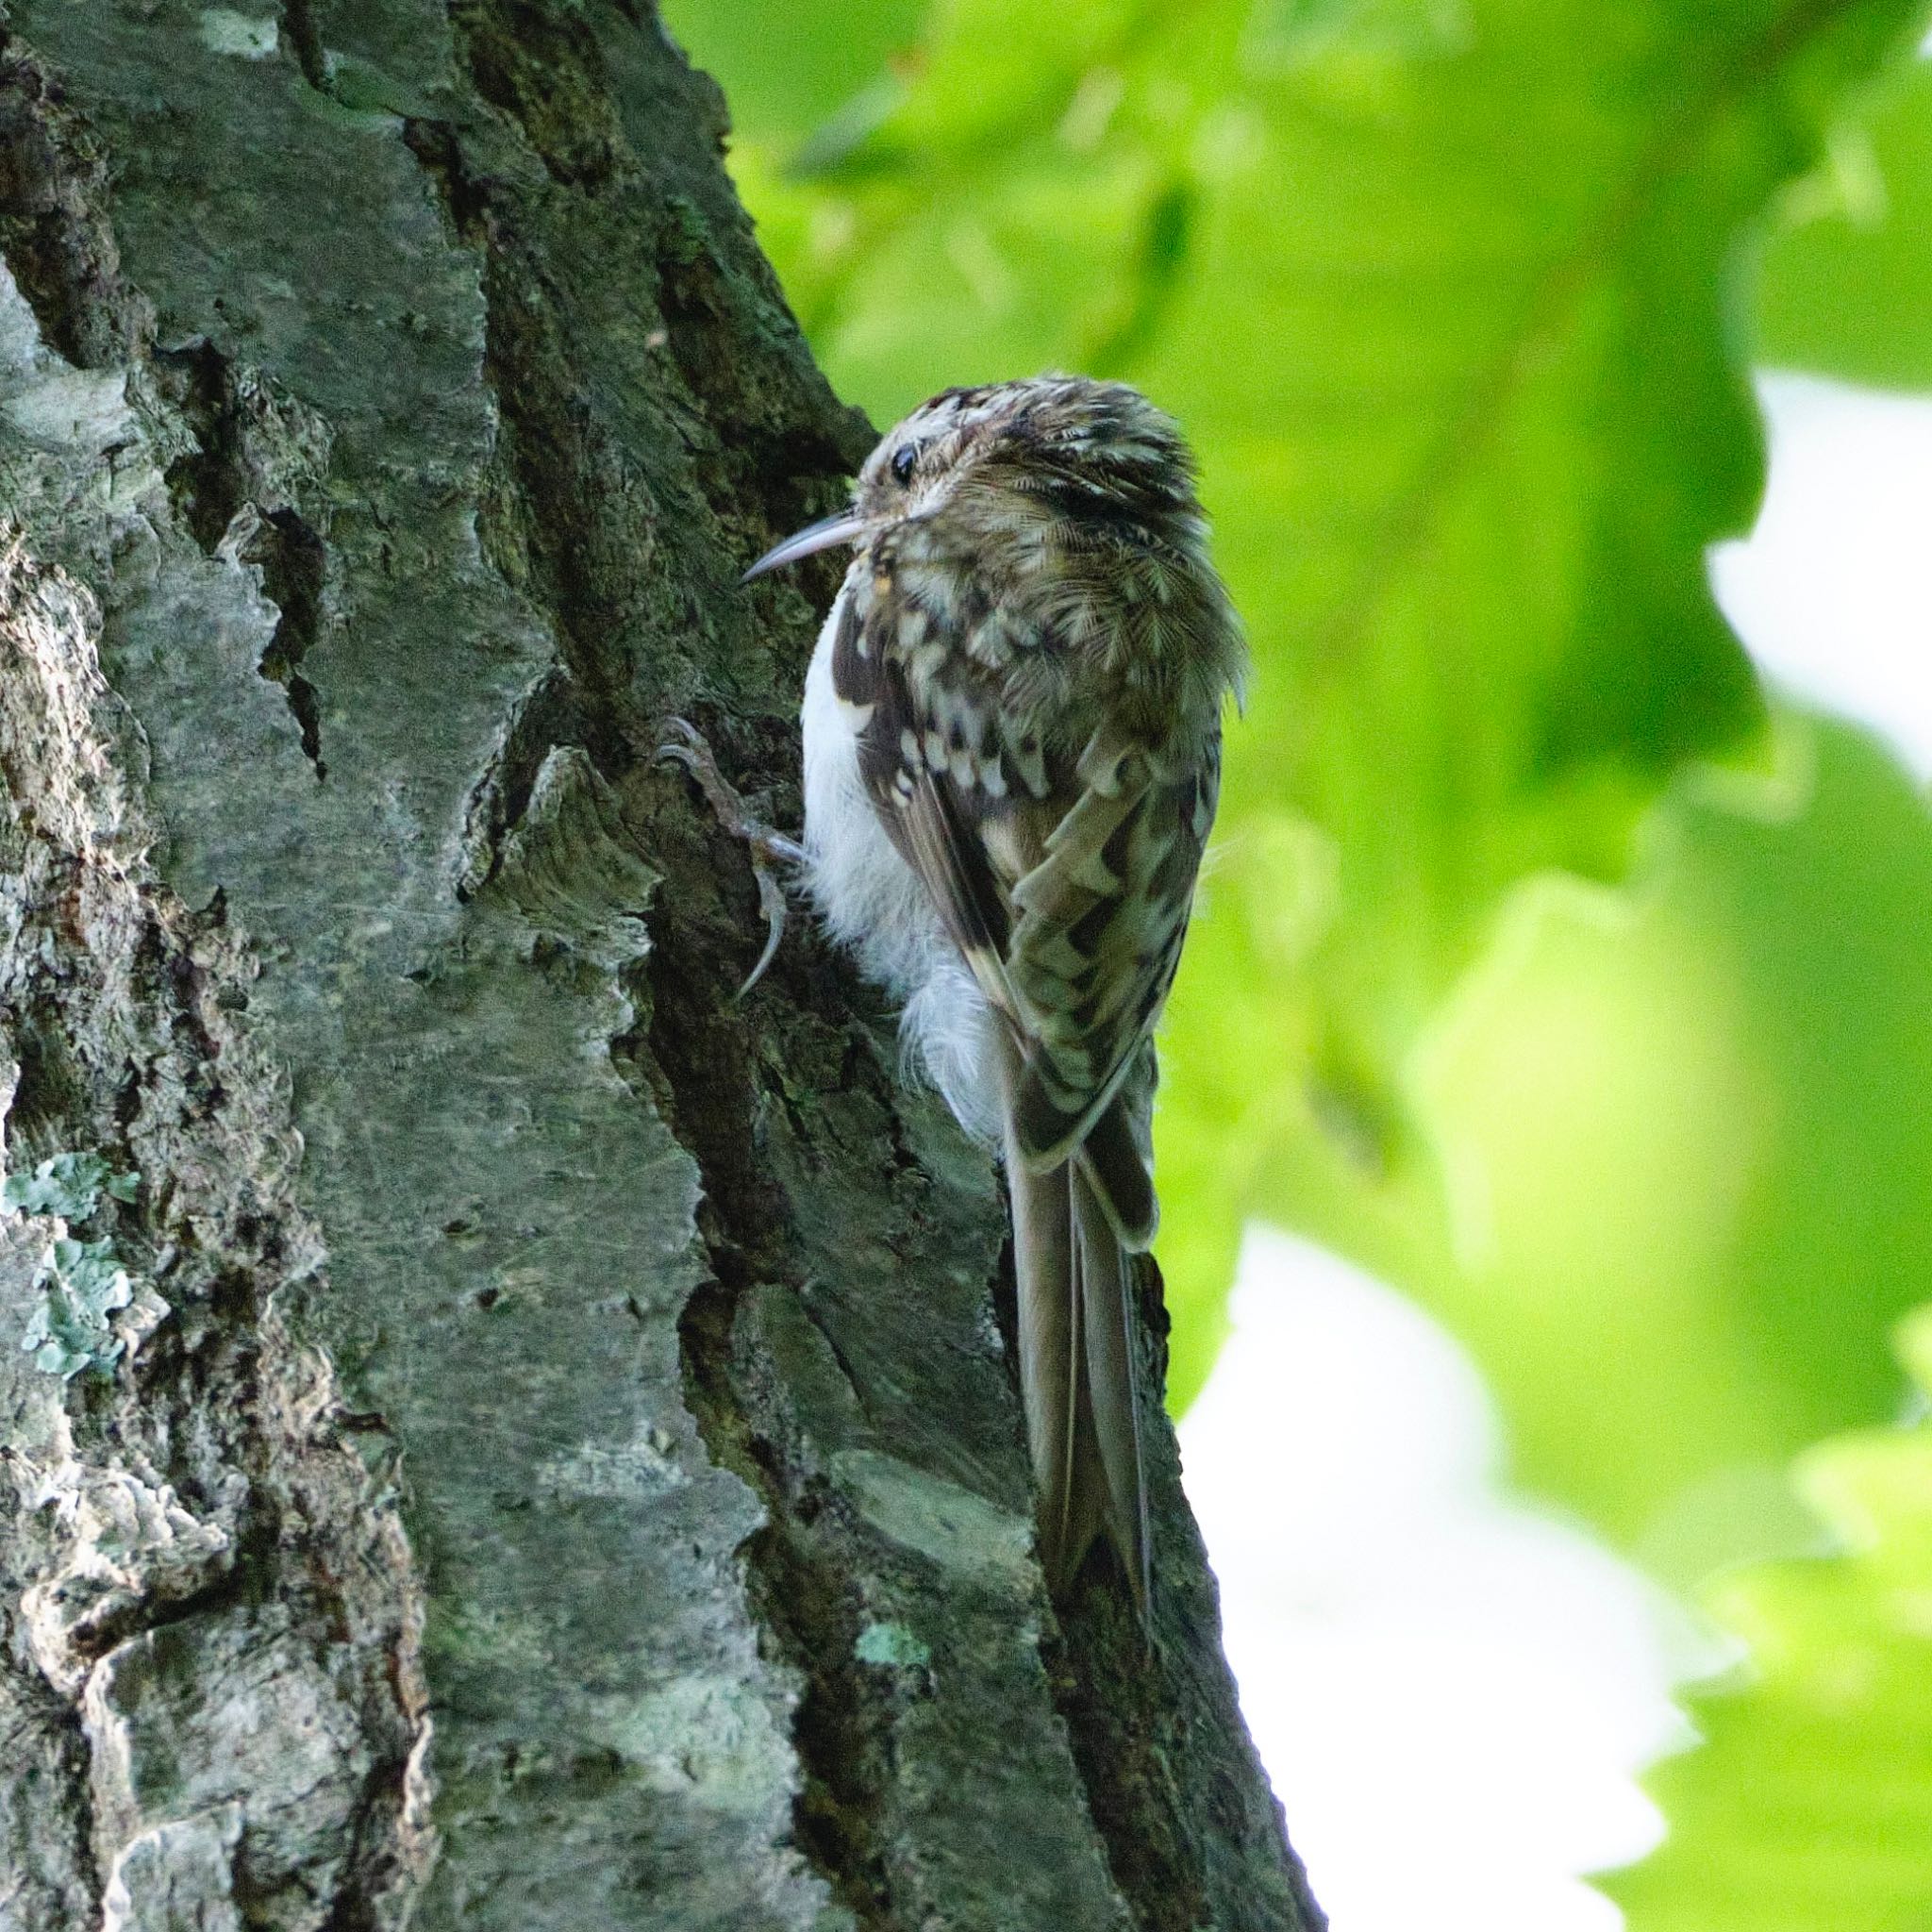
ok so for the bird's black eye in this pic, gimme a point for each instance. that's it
(903, 457)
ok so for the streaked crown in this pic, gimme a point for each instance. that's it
(1086, 447)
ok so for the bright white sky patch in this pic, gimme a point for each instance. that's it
(1452, 1693)
(1832, 589)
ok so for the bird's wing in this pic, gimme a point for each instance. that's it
(1098, 923)
(1064, 873)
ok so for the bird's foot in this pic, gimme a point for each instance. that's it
(686, 746)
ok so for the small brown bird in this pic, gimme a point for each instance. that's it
(1012, 752)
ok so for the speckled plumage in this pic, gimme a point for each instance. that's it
(1012, 743)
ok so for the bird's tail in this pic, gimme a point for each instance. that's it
(1078, 1371)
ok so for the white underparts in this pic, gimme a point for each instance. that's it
(873, 903)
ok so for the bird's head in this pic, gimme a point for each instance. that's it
(1018, 458)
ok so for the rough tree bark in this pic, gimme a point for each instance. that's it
(563, 1467)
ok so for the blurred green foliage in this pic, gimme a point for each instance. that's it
(1688, 1150)
(1809, 1804)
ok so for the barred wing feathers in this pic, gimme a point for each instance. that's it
(1061, 851)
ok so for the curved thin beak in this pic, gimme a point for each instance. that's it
(842, 528)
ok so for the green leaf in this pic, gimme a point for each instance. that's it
(1809, 1806)
(1847, 279)
(1683, 1152)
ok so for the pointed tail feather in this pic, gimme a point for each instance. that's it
(1076, 1373)
(1043, 1269)
(1105, 1281)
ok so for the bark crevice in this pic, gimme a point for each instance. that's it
(693, 1058)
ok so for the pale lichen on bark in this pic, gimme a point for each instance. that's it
(577, 1481)
(169, 1558)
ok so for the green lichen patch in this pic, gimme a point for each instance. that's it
(891, 1644)
(251, 36)
(81, 1284)
(69, 1185)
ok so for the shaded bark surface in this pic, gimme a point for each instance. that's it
(564, 1469)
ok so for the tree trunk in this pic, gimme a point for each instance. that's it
(556, 1462)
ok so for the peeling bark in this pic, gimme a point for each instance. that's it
(561, 1465)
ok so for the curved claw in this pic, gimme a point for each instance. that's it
(772, 903)
(691, 752)
(688, 747)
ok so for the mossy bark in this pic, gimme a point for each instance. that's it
(562, 1468)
